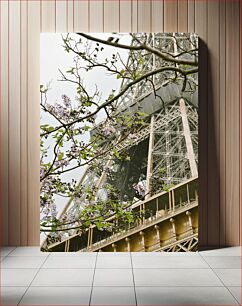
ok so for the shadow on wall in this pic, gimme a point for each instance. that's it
(210, 227)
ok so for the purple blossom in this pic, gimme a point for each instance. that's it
(108, 130)
(49, 107)
(42, 202)
(59, 110)
(66, 100)
(140, 188)
(53, 211)
(42, 172)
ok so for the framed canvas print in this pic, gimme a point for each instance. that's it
(119, 142)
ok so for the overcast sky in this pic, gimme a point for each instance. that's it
(52, 58)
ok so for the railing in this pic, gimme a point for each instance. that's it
(171, 208)
(146, 223)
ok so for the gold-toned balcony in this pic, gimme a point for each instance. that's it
(172, 221)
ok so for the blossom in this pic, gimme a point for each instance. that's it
(59, 110)
(42, 172)
(53, 211)
(108, 130)
(66, 100)
(49, 107)
(140, 188)
(61, 163)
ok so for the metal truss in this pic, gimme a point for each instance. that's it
(189, 244)
(172, 163)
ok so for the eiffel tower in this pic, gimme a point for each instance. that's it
(165, 152)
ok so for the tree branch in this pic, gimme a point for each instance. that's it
(108, 102)
(140, 47)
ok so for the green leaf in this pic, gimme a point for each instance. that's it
(142, 114)
(87, 103)
(54, 227)
(71, 71)
(60, 156)
(87, 223)
(86, 128)
(116, 153)
(99, 225)
(50, 129)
